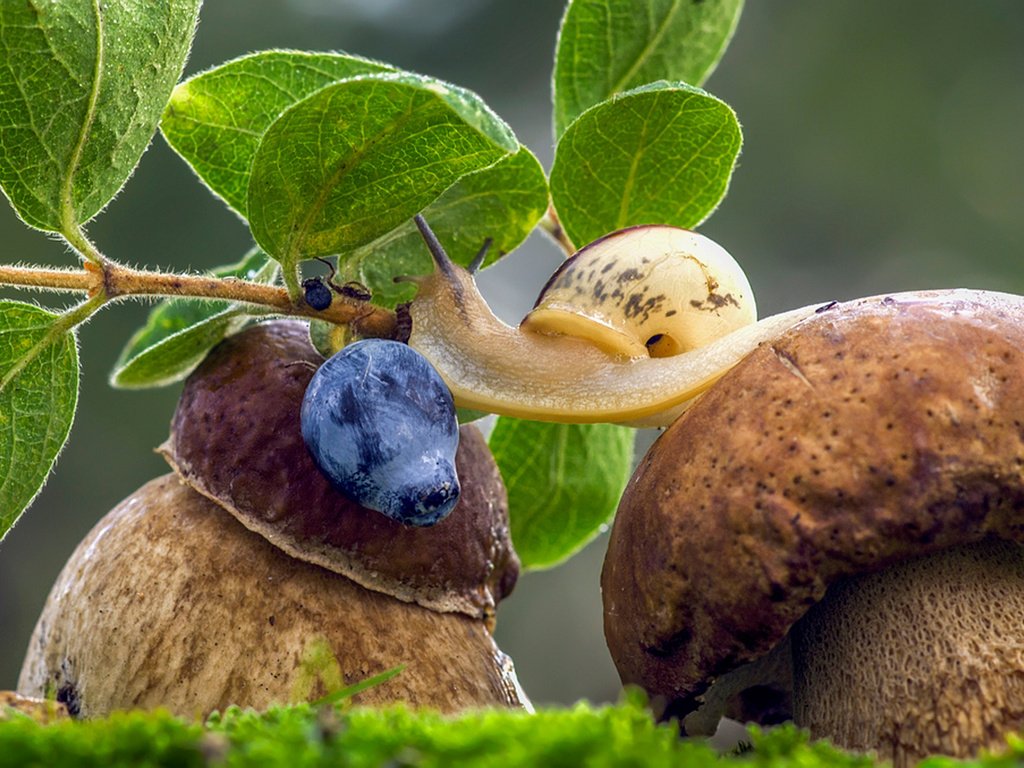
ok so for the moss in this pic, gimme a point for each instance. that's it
(623, 735)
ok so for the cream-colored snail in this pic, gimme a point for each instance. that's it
(628, 330)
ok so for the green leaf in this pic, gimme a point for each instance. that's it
(215, 120)
(363, 685)
(177, 356)
(179, 332)
(564, 482)
(607, 47)
(468, 415)
(82, 86)
(503, 202)
(327, 338)
(38, 395)
(660, 154)
(357, 158)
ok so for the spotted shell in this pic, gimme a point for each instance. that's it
(646, 291)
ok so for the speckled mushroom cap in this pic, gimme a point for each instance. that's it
(235, 438)
(877, 431)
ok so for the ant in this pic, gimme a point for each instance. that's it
(317, 291)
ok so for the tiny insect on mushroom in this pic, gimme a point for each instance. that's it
(855, 489)
(353, 289)
(316, 293)
(246, 578)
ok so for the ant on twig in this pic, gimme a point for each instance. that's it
(317, 290)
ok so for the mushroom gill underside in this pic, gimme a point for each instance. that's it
(879, 441)
(924, 657)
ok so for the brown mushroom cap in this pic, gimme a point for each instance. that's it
(878, 431)
(170, 602)
(235, 438)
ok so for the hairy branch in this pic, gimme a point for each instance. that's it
(114, 281)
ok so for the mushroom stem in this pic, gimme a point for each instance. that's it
(925, 657)
(759, 692)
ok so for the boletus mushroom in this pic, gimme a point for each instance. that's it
(840, 519)
(245, 578)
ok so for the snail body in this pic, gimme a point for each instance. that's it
(551, 369)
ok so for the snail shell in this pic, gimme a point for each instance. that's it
(645, 291)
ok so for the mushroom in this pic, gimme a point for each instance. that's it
(245, 578)
(235, 438)
(840, 518)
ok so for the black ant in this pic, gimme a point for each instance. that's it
(317, 291)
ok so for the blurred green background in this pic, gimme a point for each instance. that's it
(883, 153)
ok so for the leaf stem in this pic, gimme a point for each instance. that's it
(77, 315)
(290, 274)
(550, 224)
(77, 239)
(110, 281)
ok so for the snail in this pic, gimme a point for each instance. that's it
(630, 329)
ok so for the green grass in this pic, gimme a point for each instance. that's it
(623, 735)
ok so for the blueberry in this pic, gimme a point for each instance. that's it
(317, 295)
(380, 424)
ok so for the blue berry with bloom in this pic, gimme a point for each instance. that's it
(380, 423)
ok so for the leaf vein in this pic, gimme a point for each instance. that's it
(68, 216)
(646, 52)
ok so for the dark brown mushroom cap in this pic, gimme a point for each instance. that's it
(235, 438)
(877, 431)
